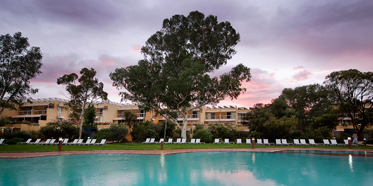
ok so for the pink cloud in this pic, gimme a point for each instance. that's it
(106, 61)
(262, 88)
(302, 75)
(136, 48)
(298, 68)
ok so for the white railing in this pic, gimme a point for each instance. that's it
(221, 117)
(40, 112)
(143, 115)
(25, 112)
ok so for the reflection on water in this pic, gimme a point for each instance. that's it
(215, 168)
(350, 162)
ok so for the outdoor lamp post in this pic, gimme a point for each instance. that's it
(349, 142)
(59, 144)
(162, 140)
(253, 142)
(365, 142)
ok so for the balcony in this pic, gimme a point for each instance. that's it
(139, 115)
(42, 112)
(220, 117)
(24, 112)
(190, 117)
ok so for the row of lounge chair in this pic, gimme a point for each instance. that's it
(332, 142)
(170, 141)
(64, 142)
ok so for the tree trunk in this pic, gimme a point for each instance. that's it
(183, 130)
(81, 121)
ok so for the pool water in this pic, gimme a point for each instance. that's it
(208, 168)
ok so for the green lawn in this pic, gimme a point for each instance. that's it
(139, 146)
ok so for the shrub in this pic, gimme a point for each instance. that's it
(61, 129)
(119, 131)
(204, 135)
(141, 131)
(23, 135)
(14, 140)
(104, 134)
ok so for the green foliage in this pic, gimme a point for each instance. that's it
(119, 131)
(19, 64)
(178, 60)
(318, 134)
(342, 137)
(141, 131)
(60, 129)
(204, 135)
(353, 92)
(159, 129)
(219, 131)
(198, 127)
(5, 120)
(279, 128)
(18, 134)
(129, 118)
(104, 134)
(87, 90)
(89, 117)
(14, 140)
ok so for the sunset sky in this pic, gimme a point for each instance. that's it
(286, 43)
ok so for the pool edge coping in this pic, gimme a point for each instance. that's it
(18, 155)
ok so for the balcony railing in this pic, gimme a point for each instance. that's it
(98, 113)
(221, 117)
(25, 112)
(189, 116)
(143, 115)
(43, 112)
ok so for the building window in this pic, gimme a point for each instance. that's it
(59, 110)
(142, 113)
(212, 115)
(195, 114)
(228, 115)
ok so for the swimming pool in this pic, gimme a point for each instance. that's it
(204, 168)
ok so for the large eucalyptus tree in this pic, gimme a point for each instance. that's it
(18, 64)
(83, 90)
(354, 94)
(179, 60)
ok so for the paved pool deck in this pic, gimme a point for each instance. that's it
(174, 151)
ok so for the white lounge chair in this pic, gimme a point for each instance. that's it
(326, 142)
(65, 141)
(265, 142)
(278, 142)
(259, 142)
(27, 142)
(146, 141)
(46, 142)
(183, 141)
(198, 141)
(216, 141)
(35, 143)
(239, 141)
(74, 142)
(93, 142)
(284, 142)
(169, 141)
(312, 142)
(346, 143)
(334, 142)
(160, 141)
(80, 141)
(152, 141)
(103, 142)
(296, 142)
(303, 142)
(226, 141)
(178, 141)
(192, 141)
(87, 142)
(1, 141)
(248, 141)
(51, 142)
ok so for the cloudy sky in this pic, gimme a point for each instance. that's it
(286, 43)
